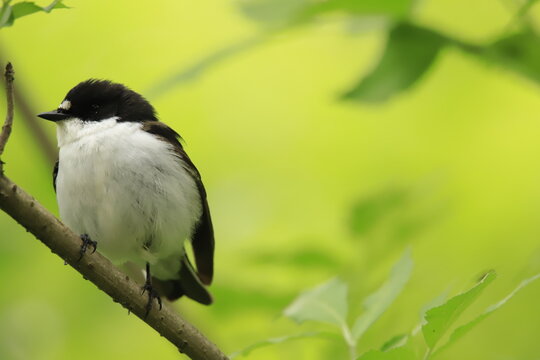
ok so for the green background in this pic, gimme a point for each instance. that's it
(449, 167)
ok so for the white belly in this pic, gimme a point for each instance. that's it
(128, 191)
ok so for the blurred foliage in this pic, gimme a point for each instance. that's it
(10, 12)
(285, 13)
(304, 187)
(367, 213)
(327, 303)
(272, 341)
(409, 53)
(440, 318)
(377, 303)
(411, 50)
(518, 52)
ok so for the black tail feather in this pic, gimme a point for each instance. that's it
(187, 284)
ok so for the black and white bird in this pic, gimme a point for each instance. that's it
(124, 181)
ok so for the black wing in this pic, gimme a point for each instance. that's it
(203, 237)
(55, 173)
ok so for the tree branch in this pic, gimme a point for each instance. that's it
(95, 267)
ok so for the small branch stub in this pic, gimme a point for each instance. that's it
(6, 129)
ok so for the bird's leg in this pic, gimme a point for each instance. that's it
(86, 241)
(149, 289)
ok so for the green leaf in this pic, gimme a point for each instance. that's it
(25, 8)
(326, 303)
(398, 353)
(396, 341)
(437, 301)
(6, 15)
(377, 303)
(440, 318)
(464, 329)
(369, 211)
(519, 53)
(409, 53)
(272, 341)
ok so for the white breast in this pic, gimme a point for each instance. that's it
(128, 190)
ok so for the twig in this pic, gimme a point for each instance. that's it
(349, 339)
(6, 129)
(95, 267)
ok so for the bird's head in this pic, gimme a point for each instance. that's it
(96, 100)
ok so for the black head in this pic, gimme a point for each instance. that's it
(96, 100)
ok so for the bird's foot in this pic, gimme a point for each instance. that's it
(86, 242)
(152, 294)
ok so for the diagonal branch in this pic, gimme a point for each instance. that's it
(28, 117)
(94, 267)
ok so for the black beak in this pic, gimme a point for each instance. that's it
(54, 115)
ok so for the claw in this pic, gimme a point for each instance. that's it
(152, 294)
(86, 241)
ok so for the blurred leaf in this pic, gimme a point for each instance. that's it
(272, 341)
(409, 53)
(326, 303)
(464, 329)
(368, 212)
(398, 353)
(288, 12)
(192, 72)
(521, 13)
(357, 25)
(315, 258)
(248, 298)
(377, 303)
(396, 341)
(273, 11)
(440, 318)
(519, 52)
(395, 8)
(407, 228)
(25, 8)
(6, 15)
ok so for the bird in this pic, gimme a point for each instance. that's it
(124, 181)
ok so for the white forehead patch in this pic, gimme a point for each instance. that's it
(65, 105)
